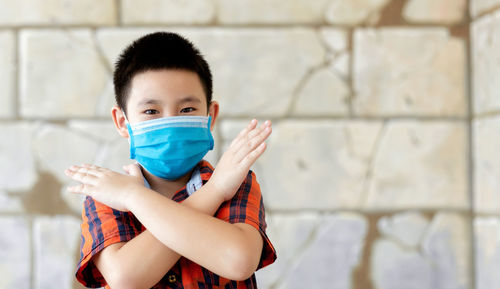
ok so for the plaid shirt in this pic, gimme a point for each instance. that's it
(103, 226)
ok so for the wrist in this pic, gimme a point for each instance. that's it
(215, 192)
(133, 192)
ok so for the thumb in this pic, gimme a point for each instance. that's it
(132, 170)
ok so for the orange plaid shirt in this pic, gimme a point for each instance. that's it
(103, 226)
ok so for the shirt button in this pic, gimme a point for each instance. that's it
(172, 279)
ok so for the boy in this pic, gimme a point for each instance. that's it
(172, 221)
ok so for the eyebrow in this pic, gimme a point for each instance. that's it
(189, 98)
(149, 101)
(183, 100)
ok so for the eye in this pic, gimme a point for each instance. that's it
(151, 111)
(187, 109)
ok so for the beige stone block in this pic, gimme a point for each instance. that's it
(114, 155)
(108, 149)
(57, 148)
(243, 63)
(250, 79)
(419, 165)
(478, 7)
(393, 266)
(486, 165)
(18, 171)
(340, 12)
(10, 203)
(15, 253)
(435, 11)
(289, 235)
(324, 93)
(341, 65)
(112, 41)
(485, 53)
(406, 228)
(441, 261)
(313, 164)
(487, 252)
(353, 12)
(399, 71)
(7, 73)
(167, 11)
(330, 257)
(270, 11)
(448, 246)
(58, 12)
(56, 241)
(338, 54)
(101, 130)
(335, 39)
(61, 73)
(107, 97)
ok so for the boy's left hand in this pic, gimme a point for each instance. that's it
(106, 186)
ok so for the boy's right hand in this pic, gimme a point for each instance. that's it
(234, 164)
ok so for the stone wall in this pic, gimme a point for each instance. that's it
(383, 170)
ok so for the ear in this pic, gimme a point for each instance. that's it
(213, 111)
(119, 120)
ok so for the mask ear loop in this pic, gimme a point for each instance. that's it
(130, 137)
(210, 133)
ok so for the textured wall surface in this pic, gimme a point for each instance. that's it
(383, 170)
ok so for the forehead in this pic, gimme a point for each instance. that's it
(167, 86)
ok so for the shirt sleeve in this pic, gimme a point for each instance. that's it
(247, 206)
(101, 226)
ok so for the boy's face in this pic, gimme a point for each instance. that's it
(164, 93)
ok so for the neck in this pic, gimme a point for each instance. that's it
(166, 187)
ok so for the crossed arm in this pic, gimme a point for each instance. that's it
(173, 230)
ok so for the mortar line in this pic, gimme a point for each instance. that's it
(350, 74)
(17, 76)
(239, 26)
(31, 236)
(489, 114)
(119, 16)
(470, 147)
(488, 12)
(347, 118)
(216, 17)
(274, 118)
(368, 211)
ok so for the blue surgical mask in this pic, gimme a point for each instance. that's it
(170, 147)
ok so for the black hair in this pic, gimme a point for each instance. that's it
(156, 51)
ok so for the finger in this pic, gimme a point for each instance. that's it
(256, 131)
(252, 143)
(94, 167)
(133, 170)
(250, 159)
(252, 133)
(78, 189)
(90, 166)
(95, 171)
(251, 125)
(81, 177)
